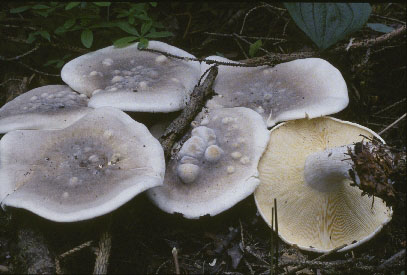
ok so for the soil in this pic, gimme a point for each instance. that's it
(238, 240)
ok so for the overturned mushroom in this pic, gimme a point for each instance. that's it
(134, 80)
(216, 167)
(47, 107)
(306, 168)
(303, 88)
(80, 172)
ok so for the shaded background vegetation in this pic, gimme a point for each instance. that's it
(236, 241)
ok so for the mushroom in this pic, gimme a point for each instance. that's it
(85, 170)
(306, 168)
(303, 88)
(216, 167)
(134, 80)
(47, 107)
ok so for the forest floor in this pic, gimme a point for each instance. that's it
(238, 240)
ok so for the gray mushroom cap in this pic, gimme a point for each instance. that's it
(47, 107)
(216, 167)
(134, 80)
(85, 170)
(303, 88)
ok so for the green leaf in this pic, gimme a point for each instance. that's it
(145, 27)
(327, 23)
(124, 26)
(20, 9)
(45, 35)
(60, 30)
(102, 4)
(255, 47)
(40, 7)
(159, 34)
(153, 4)
(32, 37)
(60, 64)
(143, 43)
(124, 41)
(71, 5)
(380, 27)
(87, 38)
(50, 62)
(69, 23)
(42, 13)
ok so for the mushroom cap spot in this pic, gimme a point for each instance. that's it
(193, 147)
(188, 159)
(207, 134)
(213, 153)
(314, 220)
(236, 155)
(188, 172)
(221, 183)
(37, 167)
(145, 85)
(46, 107)
(302, 88)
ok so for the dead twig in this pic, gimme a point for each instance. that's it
(392, 259)
(103, 253)
(176, 263)
(246, 37)
(35, 70)
(390, 106)
(180, 125)
(58, 259)
(21, 55)
(315, 261)
(392, 124)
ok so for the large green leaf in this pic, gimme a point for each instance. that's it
(327, 23)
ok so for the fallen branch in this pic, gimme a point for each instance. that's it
(180, 125)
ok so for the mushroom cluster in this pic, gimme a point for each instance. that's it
(71, 153)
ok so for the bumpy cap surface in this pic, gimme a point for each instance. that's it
(47, 107)
(80, 172)
(134, 80)
(216, 167)
(328, 212)
(303, 88)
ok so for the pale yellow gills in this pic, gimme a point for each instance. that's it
(315, 219)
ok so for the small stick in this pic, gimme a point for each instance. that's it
(276, 227)
(103, 254)
(176, 263)
(272, 243)
(302, 266)
(58, 269)
(391, 106)
(394, 123)
(21, 55)
(396, 256)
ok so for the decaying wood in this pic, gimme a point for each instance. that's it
(181, 124)
(103, 253)
(380, 170)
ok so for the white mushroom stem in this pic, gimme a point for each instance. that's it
(325, 170)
